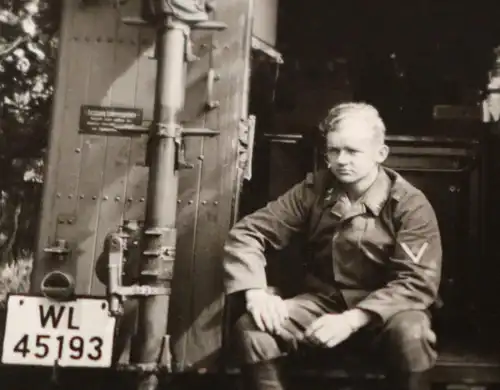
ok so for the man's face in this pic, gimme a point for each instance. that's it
(353, 152)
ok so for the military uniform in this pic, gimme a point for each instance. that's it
(381, 254)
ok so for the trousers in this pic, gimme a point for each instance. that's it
(405, 343)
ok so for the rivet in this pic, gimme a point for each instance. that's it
(82, 196)
(94, 197)
(117, 198)
(203, 202)
(58, 195)
(70, 196)
(78, 150)
(190, 202)
(105, 197)
(130, 199)
(201, 157)
(142, 200)
(179, 201)
(99, 39)
(216, 202)
(71, 221)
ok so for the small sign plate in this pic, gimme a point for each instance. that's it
(105, 120)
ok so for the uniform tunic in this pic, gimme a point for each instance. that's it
(381, 254)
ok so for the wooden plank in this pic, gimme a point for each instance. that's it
(137, 180)
(93, 153)
(118, 149)
(188, 201)
(144, 99)
(198, 347)
(63, 70)
(60, 199)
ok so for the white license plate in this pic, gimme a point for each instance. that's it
(41, 332)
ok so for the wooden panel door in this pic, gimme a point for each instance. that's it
(208, 192)
(93, 181)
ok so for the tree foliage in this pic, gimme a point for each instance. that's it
(28, 44)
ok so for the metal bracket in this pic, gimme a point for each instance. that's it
(60, 249)
(247, 140)
(267, 49)
(207, 25)
(117, 292)
(137, 290)
(181, 148)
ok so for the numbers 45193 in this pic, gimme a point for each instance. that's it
(72, 347)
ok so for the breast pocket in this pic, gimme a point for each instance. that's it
(358, 251)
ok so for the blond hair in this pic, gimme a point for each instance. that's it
(358, 111)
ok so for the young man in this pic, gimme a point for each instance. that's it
(374, 267)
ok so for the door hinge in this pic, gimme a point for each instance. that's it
(247, 140)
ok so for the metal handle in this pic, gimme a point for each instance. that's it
(58, 285)
(212, 77)
(115, 270)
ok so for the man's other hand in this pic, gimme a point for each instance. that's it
(269, 311)
(329, 330)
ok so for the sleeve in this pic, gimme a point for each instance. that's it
(415, 265)
(272, 226)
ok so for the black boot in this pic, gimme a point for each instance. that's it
(409, 381)
(262, 376)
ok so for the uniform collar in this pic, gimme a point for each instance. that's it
(378, 193)
(373, 199)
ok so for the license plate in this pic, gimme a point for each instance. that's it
(41, 332)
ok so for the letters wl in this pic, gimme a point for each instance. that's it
(55, 315)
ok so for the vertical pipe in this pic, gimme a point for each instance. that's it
(159, 236)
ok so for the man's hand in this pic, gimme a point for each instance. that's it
(269, 311)
(331, 329)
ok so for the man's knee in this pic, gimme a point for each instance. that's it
(410, 341)
(251, 345)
